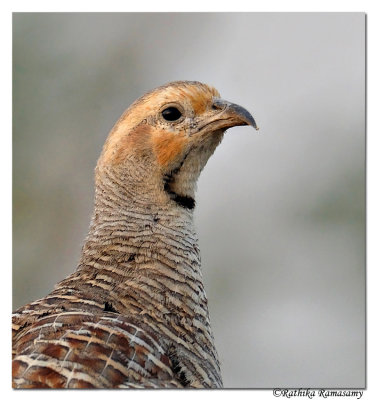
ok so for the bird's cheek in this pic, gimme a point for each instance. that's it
(169, 147)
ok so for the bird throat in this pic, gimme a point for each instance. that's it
(181, 200)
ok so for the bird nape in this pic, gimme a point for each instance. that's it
(134, 314)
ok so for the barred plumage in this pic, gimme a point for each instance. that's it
(135, 313)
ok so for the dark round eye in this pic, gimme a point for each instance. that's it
(171, 114)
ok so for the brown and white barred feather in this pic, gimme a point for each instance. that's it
(82, 349)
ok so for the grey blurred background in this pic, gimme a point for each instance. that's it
(280, 215)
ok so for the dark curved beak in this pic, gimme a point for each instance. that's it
(234, 114)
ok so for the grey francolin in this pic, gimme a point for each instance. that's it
(135, 313)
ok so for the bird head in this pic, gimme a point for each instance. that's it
(165, 138)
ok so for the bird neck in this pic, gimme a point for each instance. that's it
(142, 247)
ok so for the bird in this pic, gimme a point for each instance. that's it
(134, 313)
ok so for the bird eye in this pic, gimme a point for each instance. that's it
(171, 114)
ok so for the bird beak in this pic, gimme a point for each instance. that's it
(227, 115)
(235, 114)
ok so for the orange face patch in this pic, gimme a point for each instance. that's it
(168, 146)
